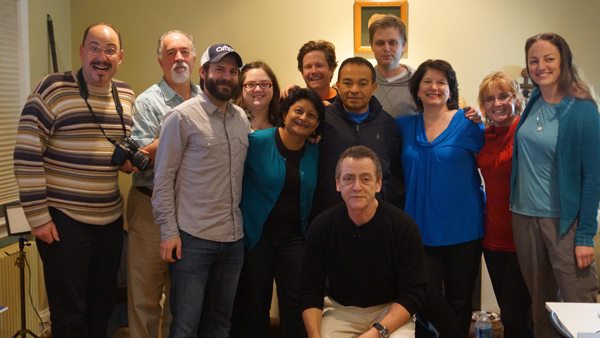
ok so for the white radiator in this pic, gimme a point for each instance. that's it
(10, 320)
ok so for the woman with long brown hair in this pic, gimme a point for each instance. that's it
(555, 183)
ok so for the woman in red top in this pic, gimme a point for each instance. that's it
(500, 101)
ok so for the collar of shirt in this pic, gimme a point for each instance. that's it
(210, 108)
(169, 94)
(357, 118)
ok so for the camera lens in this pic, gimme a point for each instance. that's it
(140, 160)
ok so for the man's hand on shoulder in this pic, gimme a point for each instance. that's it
(46, 232)
(170, 249)
(287, 90)
(473, 114)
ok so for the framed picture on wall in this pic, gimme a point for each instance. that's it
(367, 10)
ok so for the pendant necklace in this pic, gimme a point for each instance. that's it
(539, 117)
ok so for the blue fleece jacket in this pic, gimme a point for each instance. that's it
(578, 156)
(264, 177)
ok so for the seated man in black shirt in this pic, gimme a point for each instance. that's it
(366, 255)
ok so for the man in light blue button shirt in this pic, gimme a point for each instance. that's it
(148, 274)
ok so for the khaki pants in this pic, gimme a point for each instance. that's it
(351, 321)
(147, 273)
(549, 268)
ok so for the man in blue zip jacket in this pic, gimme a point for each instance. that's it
(357, 118)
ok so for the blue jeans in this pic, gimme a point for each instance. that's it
(203, 286)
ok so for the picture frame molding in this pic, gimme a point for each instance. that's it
(360, 5)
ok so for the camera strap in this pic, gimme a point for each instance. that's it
(83, 92)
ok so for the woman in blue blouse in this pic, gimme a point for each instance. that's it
(279, 181)
(555, 183)
(443, 193)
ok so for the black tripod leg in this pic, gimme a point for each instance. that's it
(21, 264)
(23, 334)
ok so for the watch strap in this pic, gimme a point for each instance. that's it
(383, 331)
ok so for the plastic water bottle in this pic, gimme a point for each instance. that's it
(483, 326)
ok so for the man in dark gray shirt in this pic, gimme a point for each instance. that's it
(387, 36)
(197, 190)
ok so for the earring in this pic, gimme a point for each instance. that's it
(449, 98)
(418, 99)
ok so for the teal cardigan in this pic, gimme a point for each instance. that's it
(578, 162)
(264, 176)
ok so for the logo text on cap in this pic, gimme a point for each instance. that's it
(223, 49)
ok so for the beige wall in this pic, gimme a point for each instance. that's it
(476, 36)
(39, 46)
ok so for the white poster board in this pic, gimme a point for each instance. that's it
(16, 222)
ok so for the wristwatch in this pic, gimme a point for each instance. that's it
(383, 331)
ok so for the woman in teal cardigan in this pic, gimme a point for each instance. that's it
(279, 182)
(555, 182)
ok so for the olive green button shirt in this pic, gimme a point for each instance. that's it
(199, 170)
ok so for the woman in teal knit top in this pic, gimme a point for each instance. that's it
(555, 182)
(279, 182)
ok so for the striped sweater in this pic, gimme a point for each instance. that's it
(62, 159)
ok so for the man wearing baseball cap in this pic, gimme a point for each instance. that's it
(197, 190)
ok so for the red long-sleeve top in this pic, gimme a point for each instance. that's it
(495, 162)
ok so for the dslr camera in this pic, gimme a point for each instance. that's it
(128, 150)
